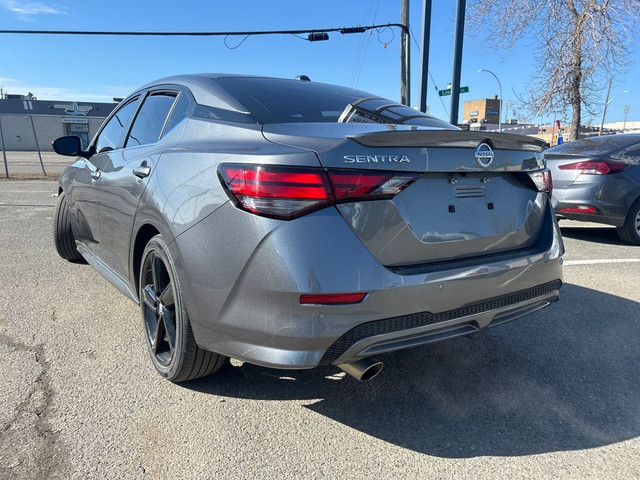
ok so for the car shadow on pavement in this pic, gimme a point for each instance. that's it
(606, 235)
(565, 378)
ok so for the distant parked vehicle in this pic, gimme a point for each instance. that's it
(598, 180)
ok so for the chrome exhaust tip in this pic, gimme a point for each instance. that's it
(362, 370)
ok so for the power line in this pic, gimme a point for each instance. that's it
(343, 30)
(429, 72)
(361, 51)
(238, 45)
(313, 34)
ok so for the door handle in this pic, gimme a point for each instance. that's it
(142, 171)
(96, 174)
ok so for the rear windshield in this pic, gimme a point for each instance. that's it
(272, 100)
(605, 145)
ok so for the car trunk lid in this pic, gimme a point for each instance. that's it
(473, 196)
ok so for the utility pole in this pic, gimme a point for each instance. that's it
(457, 62)
(424, 59)
(606, 104)
(405, 66)
(626, 112)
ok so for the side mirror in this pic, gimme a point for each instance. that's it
(70, 146)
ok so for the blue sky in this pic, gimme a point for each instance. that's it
(99, 68)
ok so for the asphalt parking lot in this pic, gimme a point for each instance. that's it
(555, 395)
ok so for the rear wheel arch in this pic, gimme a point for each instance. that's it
(169, 337)
(632, 197)
(630, 231)
(145, 233)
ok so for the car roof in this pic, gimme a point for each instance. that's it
(235, 93)
(206, 90)
(598, 145)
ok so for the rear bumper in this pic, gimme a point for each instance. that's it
(242, 290)
(609, 206)
(388, 335)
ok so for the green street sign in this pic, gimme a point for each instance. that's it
(447, 91)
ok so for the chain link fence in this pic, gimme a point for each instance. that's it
(25, 143)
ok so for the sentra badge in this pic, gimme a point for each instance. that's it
(376, 159)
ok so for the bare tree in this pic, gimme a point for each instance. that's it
(581, 44)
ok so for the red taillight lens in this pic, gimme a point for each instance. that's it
(280, 192)
(289, 192)
(352, 185)
(332, 298)
(542, 180)
(596, 167)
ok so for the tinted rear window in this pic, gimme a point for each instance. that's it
(595, 146)
(286, 101)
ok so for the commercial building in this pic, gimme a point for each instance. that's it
(28, 124)
(485, 110)
(484, 115)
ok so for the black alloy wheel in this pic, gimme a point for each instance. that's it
(63, 237)
(630, 231)
(159, 308)
(170, 340)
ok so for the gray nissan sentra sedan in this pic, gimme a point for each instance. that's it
(291, 224)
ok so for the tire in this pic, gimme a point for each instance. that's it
(62, 233)
(630, 231)
(170, 342)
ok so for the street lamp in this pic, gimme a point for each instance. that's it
(607, 102)
(626, 112)
(499, 85)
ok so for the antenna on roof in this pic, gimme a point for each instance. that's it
(303, 78)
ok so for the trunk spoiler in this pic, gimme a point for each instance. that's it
(449, 139)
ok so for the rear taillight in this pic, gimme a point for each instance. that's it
(596, 167)
(542, 180)
(280, 192)
(289, 192)
(362, 185)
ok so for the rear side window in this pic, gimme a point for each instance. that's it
(178, 113)
(149, 123)
(111, 135)
(635, 152)
(629, 155)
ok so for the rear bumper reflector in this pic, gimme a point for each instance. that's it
(332, 298)
(582, 209)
